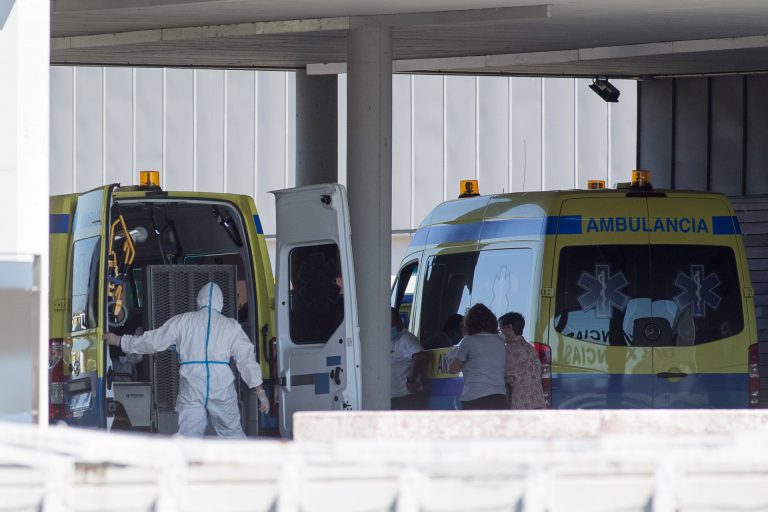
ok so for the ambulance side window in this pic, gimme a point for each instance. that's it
(446, 295)
(403, 290)
(85, 276)
(316, 294)
(503, 281)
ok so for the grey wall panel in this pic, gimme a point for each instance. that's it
(655, 132)
(460, 127)
(559, 141)
(290, 129)
(88, 128)
(341, 101)
(726, 169)
(118, 129)
(691, 114)
(401, 152)
(209, 145)
(427, 144)
(149, 119)
(62, 130)
(271, 112)
(526, 134)
(592, 135)
(240, 132)
(623, 133)
(493, 134)
(757, 134)
(179, 130)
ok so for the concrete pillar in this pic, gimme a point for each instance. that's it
(24, 65)
(369, 178)
(317, 116)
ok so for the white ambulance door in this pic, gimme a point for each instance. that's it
(318, 345)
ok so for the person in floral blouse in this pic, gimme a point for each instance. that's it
(522, 370)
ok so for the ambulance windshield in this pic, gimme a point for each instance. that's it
(640, 295)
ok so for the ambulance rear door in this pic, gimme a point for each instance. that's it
(701, 329)
(89, 389)
(318, 345)
(600, 277)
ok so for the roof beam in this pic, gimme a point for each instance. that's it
(297, 26)
(500, 62)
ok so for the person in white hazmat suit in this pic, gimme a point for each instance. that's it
(205, 340)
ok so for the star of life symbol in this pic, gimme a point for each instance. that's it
(698, 291)
(602, 291)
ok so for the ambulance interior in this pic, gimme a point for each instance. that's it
(170, 233)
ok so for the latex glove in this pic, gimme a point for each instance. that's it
(263, 402)
(112, 339)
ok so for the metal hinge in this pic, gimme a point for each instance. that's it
(547, 292)
(749, 291)
(60, 304)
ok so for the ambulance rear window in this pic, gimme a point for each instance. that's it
(640, 295)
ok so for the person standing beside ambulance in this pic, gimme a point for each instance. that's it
(408, 363)
(480, 357)
(523, 369)
(205, 340)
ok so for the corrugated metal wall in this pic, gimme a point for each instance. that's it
(234, 131)
(706, 133)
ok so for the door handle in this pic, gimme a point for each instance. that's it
(336, 375)
(672, 375)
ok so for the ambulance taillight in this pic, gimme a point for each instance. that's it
(56, 405)
(754, 376)
(544, 354)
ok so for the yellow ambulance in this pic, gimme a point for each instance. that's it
(125, 259)
(633, 297)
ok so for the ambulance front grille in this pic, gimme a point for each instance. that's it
(170, 290)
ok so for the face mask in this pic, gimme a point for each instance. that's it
(393, 332)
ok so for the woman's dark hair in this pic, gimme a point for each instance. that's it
(516, 320)
(480, 319)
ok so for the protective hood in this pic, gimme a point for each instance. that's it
(217, 299)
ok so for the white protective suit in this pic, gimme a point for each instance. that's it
(200, 336)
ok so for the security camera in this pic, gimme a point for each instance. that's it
(605, 90)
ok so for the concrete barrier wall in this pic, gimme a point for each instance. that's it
(577, 460)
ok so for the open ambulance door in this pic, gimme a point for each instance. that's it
(318, 340)
(88, 392)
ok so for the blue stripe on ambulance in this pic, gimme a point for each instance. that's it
(565, 225)
(621, 391)
(725, 225)
(58, 223)
(257, 222)
(443, 393)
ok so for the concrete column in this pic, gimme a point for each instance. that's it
(369, 178)
(317, 117)
(24, 64)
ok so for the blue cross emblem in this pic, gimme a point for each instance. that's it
(698, 291)
(602, 291)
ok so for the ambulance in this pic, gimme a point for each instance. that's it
(633, 297)
(125, 259)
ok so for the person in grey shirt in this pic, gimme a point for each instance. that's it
(480, 356)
